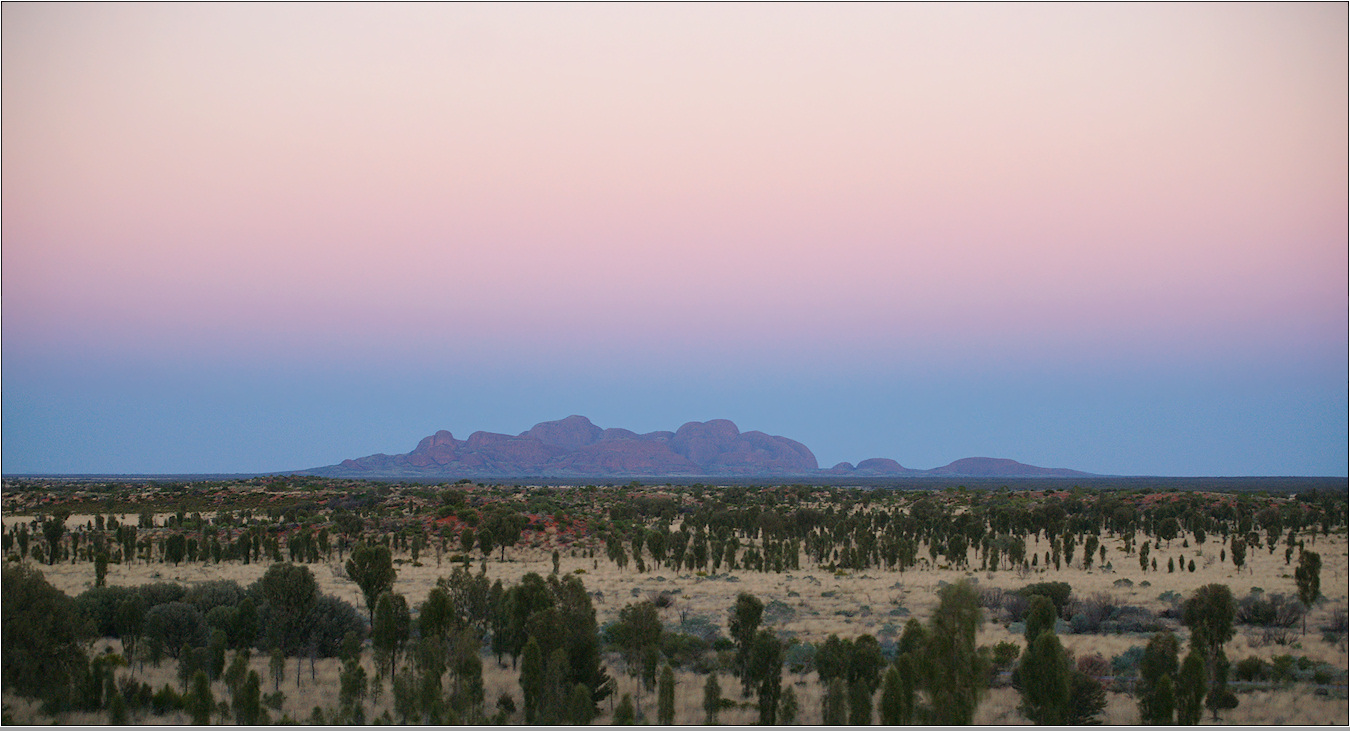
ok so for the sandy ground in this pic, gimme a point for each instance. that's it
(821, 603)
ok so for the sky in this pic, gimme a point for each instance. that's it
(264, 237)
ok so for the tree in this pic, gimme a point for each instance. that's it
(43, 634)
(787, 707)
(390, 628)
(865, 662)
(766, 672)
(956, 673)
(832, 659)
(198, 702)
(1239, 552)
(1087, 699)
(247, 703)
(580, 709)
(892, 699)
(1209, 614)
(276, 667)
(504, 526)
(289, 592)
(101, 568)
(665, 697)
(712, 699)
(175, 548)
(638, 630)
(1044, 673)
(743, 624)
(1158, 664)
(171, 626)
(1040, 617)
(485, 542)
(1190, 690)
(859, 704)
(1220, 697)
(352, 687)
(1163, 700)
(834, 706)
(1308, 578)
(52, 530)
(624, 715)
(372, 568)
(532, 679)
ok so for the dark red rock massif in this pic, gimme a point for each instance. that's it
(574, 447)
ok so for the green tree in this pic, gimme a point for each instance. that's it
(665, 697)
(198, 702)
(897, 698)
(1238, 552)
(712, 699)
(638, 630)
(624, 715)
(834, 705)
(1190, 690)
(788, 707)
(956, 672)
(247, 703)
(1040, 617)
(276, 667)
(865, 662)
(101, 568)
(504, 526)
(859, 703)
(352, 688)
(766, 673)
(1087, 699)
(390, 628)
(1220, 698)
(43, 636)
(1044, 673)
(235, 675)
(290, 591)
(175, 548)
(1209, 614)
(1308, 578)
(532, 679)
(53, 527)
(1164, 700)
(1158, 663)
(580, 709)
(743, 624)
(372, 568)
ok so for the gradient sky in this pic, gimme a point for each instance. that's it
(256, 237)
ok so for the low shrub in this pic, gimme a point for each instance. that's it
(1274, 610)
(1126, 664)
(1251, 669)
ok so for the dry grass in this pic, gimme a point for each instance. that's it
(823, 603)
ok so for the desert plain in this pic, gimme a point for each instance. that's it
(805, 604)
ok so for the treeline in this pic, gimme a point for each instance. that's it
(701, 528)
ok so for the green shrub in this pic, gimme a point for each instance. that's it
(1251, 669)
(1057, 592)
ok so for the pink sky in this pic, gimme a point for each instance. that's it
(1124, 180)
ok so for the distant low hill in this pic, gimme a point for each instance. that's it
(574, 447)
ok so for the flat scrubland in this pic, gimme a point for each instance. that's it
(805, 604)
